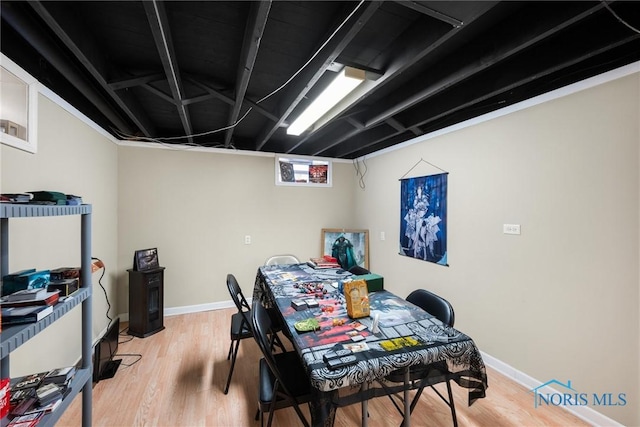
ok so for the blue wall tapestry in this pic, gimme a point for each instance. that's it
(423, 218)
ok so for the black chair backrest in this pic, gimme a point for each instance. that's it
(358, 271)
(237, 296)
(262, 330)
(434, 304)
(262, 327)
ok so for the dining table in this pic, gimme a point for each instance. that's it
(395, 336)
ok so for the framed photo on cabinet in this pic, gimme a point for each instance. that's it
(146, 259)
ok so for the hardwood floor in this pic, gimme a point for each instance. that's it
(179, 379)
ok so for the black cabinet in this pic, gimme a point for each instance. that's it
(146, 302)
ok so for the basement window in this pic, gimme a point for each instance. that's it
(300, 171)
(18, 106)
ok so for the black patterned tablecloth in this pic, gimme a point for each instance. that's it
(406, 336)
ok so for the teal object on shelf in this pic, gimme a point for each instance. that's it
(30, 279)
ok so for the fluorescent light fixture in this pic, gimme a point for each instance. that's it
(345, 82)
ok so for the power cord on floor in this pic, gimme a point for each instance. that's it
(139, 357)
(123, 333)
(106, 297)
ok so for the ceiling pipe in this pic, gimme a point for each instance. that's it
(45, 47)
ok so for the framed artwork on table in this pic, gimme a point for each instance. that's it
(146, 259)
(349, 247)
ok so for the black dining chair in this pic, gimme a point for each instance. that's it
(421, 376)
(240, 325)
(358, 270)
(283, 381)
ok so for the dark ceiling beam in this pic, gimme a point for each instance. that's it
(353, 122)
(521, 39)
(396, 125)
(401, 128)
(157, 92)
(356, 151)
(310, 76)
(45, 46)
(431, 12)
(464, 65)
(362, 139)
(258, 14)
(135, 81)
(406, 52)
(210, 88)
(337, 141)
(515, 81)
(68, 29)
(159, 23)
(472, 94)
(199, 98)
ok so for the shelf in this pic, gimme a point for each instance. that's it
(82, 377)
(13, 337)
(18, 210)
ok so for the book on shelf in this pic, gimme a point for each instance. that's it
(29, 420)
(28, 381)
(18, 396)
(21, 284)
(26, 295)
(64, 286)
(23, 406)
(15, 197)
(60, 375)
(37, 398)
(323, 262)
(48, 393)
(45, 409)
(47, 298)
(21, 315)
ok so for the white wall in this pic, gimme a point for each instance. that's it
(560, 301)
(197, 208)
(74, 159)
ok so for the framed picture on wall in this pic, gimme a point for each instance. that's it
(349, 247)
(146, 259)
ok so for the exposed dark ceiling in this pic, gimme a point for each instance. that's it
(234, 74)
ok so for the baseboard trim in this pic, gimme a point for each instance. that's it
(583, 412)
(174, 311)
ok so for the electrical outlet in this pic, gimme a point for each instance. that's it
(382, 235)
(247, 240)
(511, 228)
